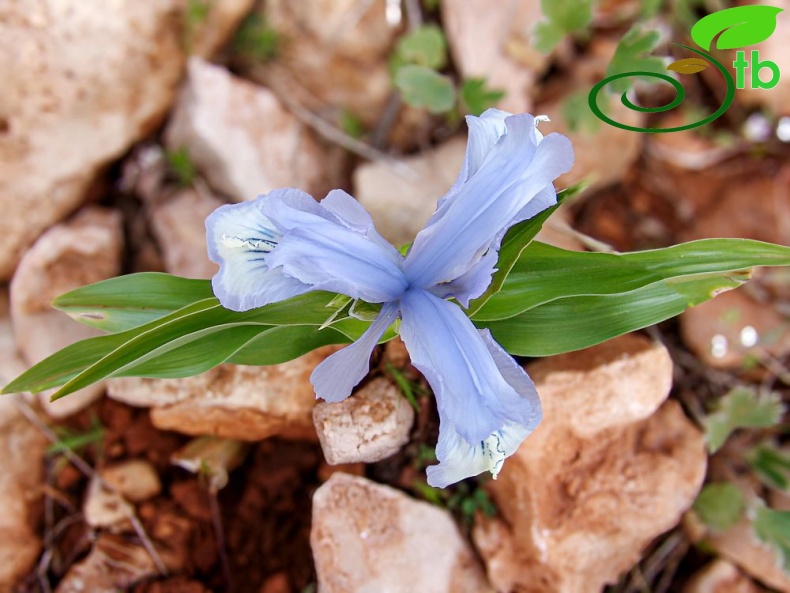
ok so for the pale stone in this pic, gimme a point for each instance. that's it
(82, 82)
(369, 426)
(497, 45)
(720, 577)
(401, 205)
(728, 330)
(22, 449)
(113, 564)
(241, 138)
(602, 475)
(84, 250)
(336, 52)
(370, 537)
(740, 546)
(105, 507)
(179, 225)
(245, 403)
(134, 479)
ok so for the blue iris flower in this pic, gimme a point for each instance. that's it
(285, 244)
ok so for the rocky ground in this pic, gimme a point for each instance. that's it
(123, 124)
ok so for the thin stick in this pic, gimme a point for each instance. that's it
(216, 520)
(89, 472)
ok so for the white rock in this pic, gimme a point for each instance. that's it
(22, 448)
(496, 44)
(336, 52)
(720, 577)
(82, 82)
(401, 206)
(179, 225)
(245, 403)
(369, 426)
(602, 475)
(369, 537)
(240, 136)
(84, 250)
(134, 479)
(105, 507)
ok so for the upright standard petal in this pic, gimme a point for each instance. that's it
(320, 248)
(460, 459)
(239, 239)
(338, 374)
(517, 169)
(471, 392)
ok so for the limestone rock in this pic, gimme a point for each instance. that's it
(337, 52)
(369, 537)
(241, 138)
(245, 403)
(601, 476)
(179, 225)
(727, 330)
(497, 45)
(740, 546)
(83, 81)
(84, 250)
(134, 479)
(22, 448)
(105, 507)
(113, 564)
(369, 426)
(720, 577)
(401, 206)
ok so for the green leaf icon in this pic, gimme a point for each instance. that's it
(688, 66)
(739, 27)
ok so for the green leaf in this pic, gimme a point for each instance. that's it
(773, 528)
(631, 56)
(181, 166)
(573, 323)
(739, 27)
(477, 97)
(94, 359)
(771, 464)
(577, 113)
(256, 39)
(425, 46)
(562, 17)
(423, 87)
(720, 506)
(741, 408)
(515, 241)
(125, 302)
(544, 273)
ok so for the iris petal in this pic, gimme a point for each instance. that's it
(470, 390)
(239, 239)
(337, 375)
(458, 458)
(330, 253)
(516, 170)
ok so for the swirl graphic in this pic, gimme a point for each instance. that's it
(680, 94)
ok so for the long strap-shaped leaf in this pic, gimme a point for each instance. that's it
(544, 273)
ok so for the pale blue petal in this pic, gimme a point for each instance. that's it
(460, 459)
(353, 215)
(470, 390)
(473, 282)
(239, 239)
(516, 170)
(484, 132)
(330, 253)
(337, 375)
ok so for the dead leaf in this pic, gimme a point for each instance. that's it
(688, 66)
